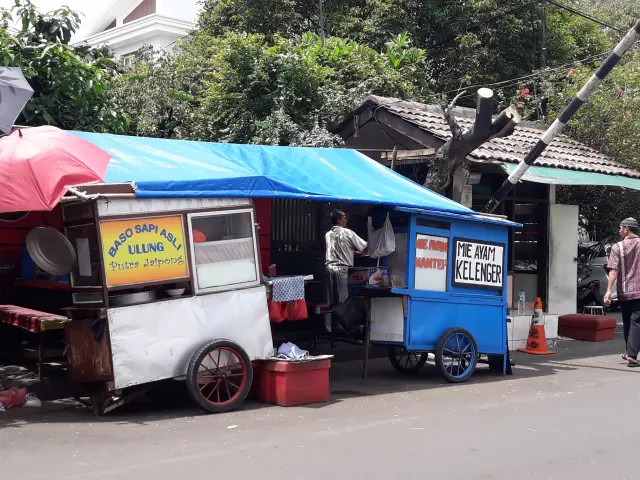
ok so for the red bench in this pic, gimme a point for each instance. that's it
(34, 321)
(589, 328)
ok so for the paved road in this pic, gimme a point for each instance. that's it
(559, 417)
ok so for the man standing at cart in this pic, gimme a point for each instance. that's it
(341, 246)
(624, 271)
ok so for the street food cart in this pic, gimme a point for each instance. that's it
(165, 271)
(165, 289)
(447, 293)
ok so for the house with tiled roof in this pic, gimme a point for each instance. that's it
(542, 256)
(565, 161)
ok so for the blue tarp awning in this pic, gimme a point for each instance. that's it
(180, 168)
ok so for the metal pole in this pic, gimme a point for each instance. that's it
(322, 37)
(544, 34)
(557, 126)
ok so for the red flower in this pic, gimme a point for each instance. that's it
(525, 91)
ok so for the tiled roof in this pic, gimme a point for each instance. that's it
(562, 153)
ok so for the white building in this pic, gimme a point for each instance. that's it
(128, 25)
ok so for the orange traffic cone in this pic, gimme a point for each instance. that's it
(537, 339)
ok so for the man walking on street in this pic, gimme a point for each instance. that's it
(624, 271)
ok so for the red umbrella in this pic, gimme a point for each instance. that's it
(38, 165)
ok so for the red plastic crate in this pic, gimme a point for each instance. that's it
(287, 384)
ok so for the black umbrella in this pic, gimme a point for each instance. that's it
(15, 92)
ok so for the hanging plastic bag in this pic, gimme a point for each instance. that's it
(381, 242)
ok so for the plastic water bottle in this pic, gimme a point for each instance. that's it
(521, 300)
(385, 277)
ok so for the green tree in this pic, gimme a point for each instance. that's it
(609, 123)
(617, 13)
(245, 88)
(471, 42)
(159, 93)
(71, 83)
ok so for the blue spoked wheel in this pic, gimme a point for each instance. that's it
(456, 355)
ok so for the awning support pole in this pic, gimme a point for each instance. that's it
(581, 98)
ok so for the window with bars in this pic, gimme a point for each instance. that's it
(295, 225)
(526, 239)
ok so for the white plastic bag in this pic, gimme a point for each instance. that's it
(381, 242)
(32, 401)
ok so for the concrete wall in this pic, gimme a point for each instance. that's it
(563, 250)
(518, 330)
(158, 42)
(529, 283)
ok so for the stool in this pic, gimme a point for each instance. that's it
(593, 310)
(589, 328)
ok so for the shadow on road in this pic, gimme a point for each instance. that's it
(170, 400)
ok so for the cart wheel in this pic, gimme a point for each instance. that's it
(405, 361)
(456, 355)
(219, 376)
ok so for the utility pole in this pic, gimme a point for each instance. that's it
(322, 37)
(544, 34)
(556, 127)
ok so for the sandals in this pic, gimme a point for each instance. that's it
(633, 362)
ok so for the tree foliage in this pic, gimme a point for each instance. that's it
(70, 83)
(470, 42)
(610, 123)
(246, 88)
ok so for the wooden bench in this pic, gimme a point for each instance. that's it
(589, 328)
(33, 321)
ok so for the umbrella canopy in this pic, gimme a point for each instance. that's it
(15, 92)
(38, 165)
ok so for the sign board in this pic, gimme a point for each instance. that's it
(143, 250)
(432, 255)
(467, 196)
(478, 264)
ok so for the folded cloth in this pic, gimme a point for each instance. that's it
(290, 351)
(287, 289)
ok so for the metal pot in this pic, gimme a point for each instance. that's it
(126, 299)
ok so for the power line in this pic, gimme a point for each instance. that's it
(565, 116)
(585, 15)
(509, 82)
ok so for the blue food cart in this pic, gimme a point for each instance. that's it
(447, 293)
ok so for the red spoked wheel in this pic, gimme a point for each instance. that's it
(219, 376)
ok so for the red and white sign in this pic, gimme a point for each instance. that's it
(432, 256)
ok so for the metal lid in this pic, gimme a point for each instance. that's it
(51, 251)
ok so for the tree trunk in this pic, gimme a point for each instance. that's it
(454, 152)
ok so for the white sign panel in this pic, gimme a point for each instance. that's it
(478, 264)
(467, 196)
(432, 255)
